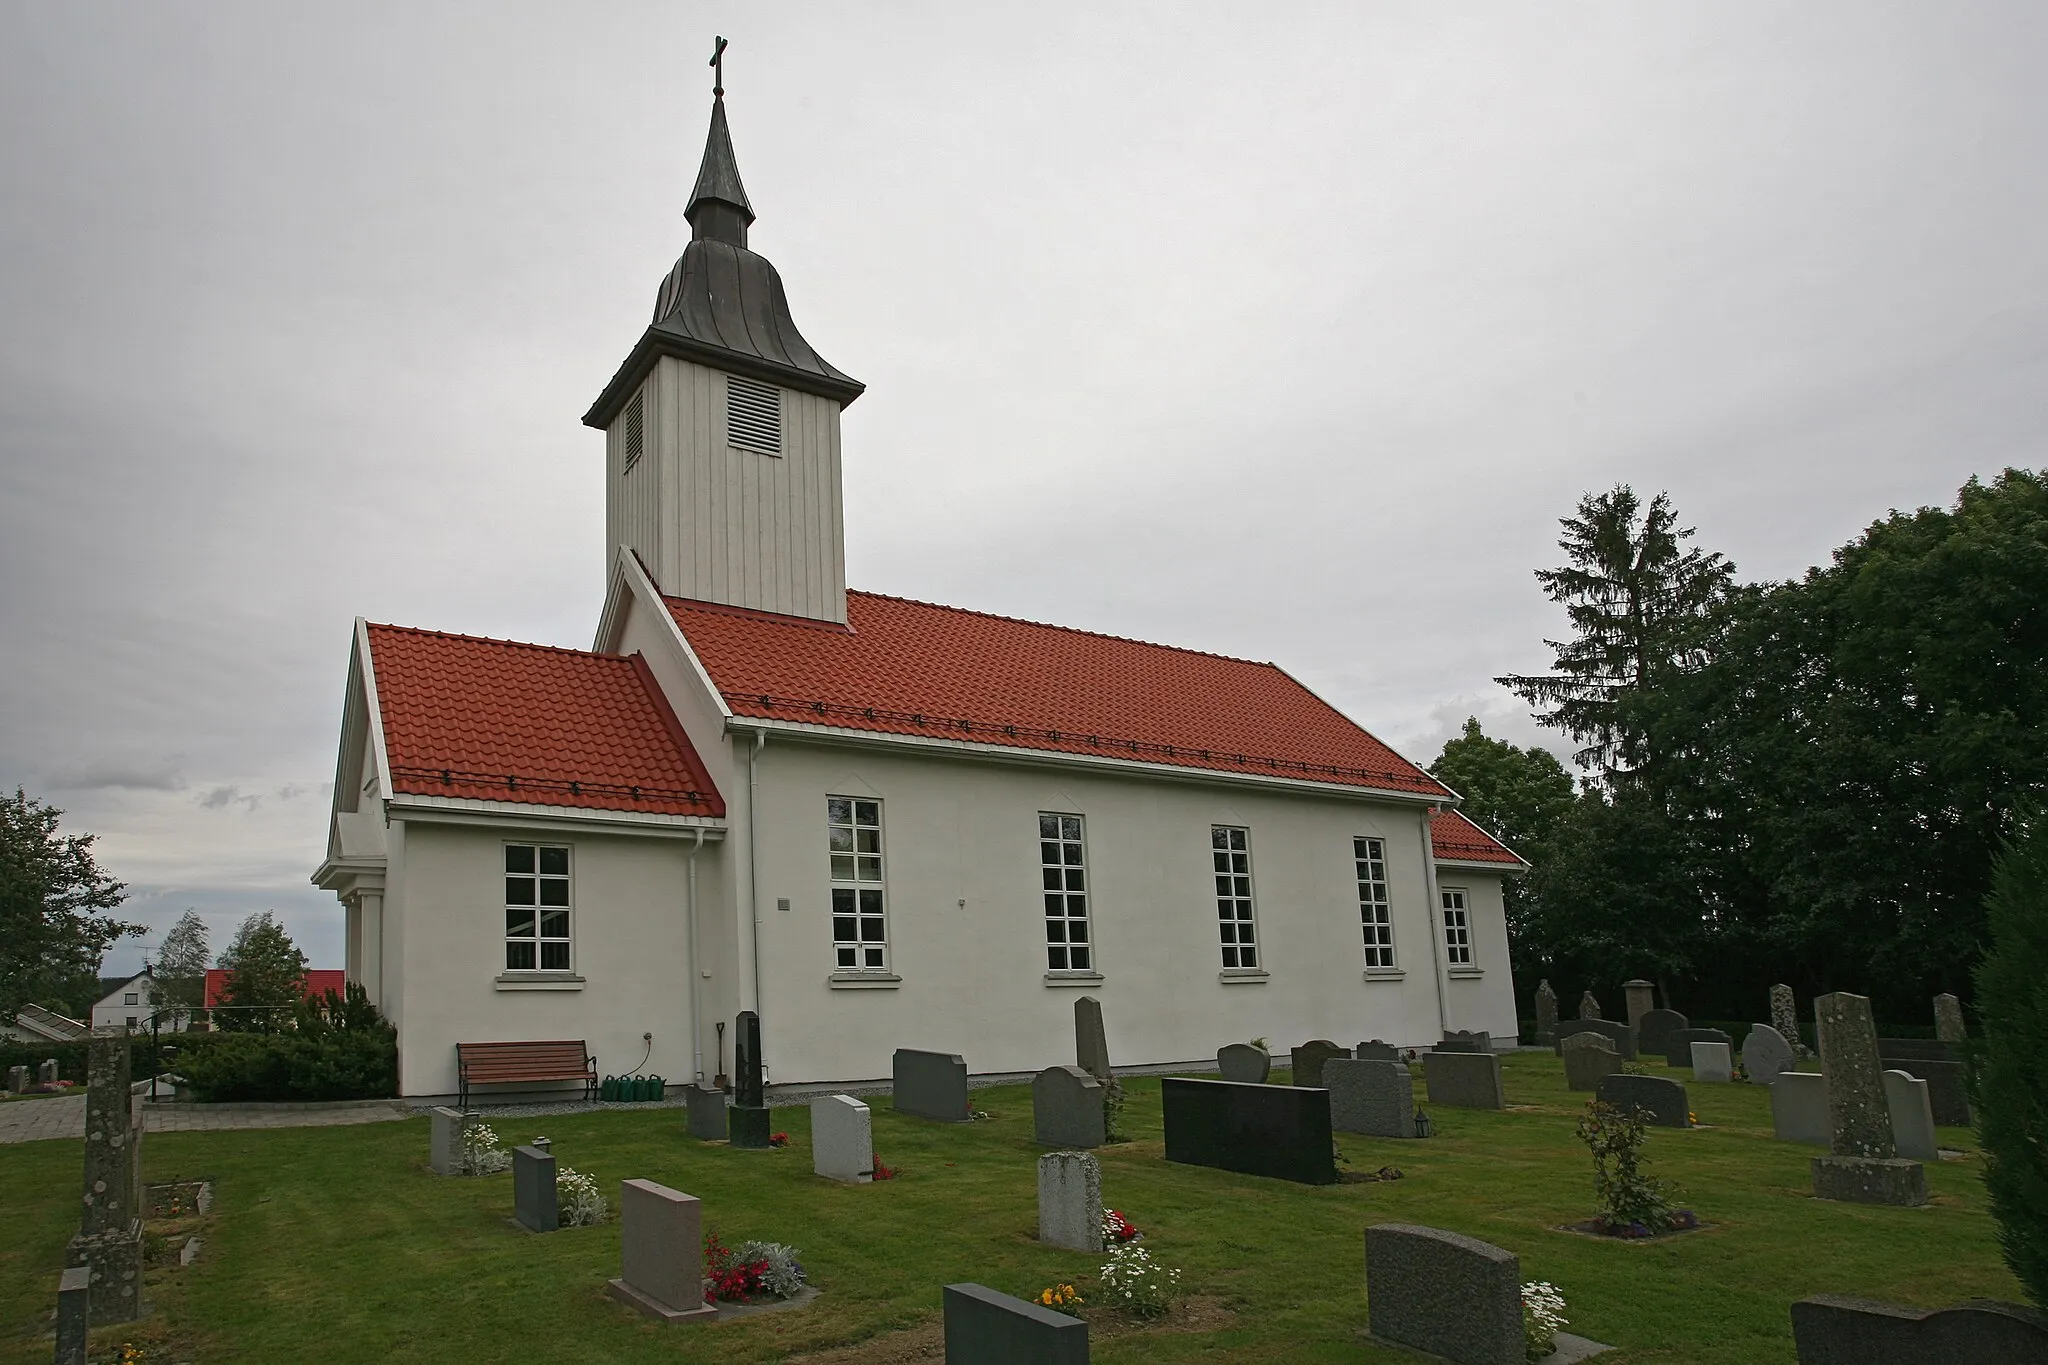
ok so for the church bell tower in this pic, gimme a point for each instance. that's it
(722, 426)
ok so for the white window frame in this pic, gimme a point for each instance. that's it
(1236, 900)
(1067, 896)
(546, 915)
(1457, 927)
(1375, 903)
(132, 998)
(858, 882)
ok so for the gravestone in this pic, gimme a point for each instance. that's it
(984, 1327)
(1463, 1080)
(842, 1139)
(444, 1149)
(1654, 1030)
(1281, 1131)
(1799, 1108)
(1306, 1061)
(74, 1315)
(1546, 1013)
(1375, 1098)
(1589, 1008)
(1376, 1051)
(1711, 1062)
(1588, 1059)
(46, 1073)
(1829, 1329)
(1766, 1054)
(1070, 1201)
(1466, 1040)
(1091, 1044)
(534, 1201)
(661, 1253)
(1452, 1296)
(1642, 998)
(1066, 1108)
(1660, 1098)
(1244, 1063)
(1863, 1165)
(1935, 1063)
(17, 1079)
(931, 1085)
(1613, 1030)
(1678, 1044)
(1785, 1016)
(748, 1123)
(705, 1106)
(1948, 1019)
(1912, 1120)
(109, 1241)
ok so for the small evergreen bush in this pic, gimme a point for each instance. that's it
(336, 1048)
(2009, 1082)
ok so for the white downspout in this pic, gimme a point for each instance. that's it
(696, 970)
(753, 842)
(1435, 921)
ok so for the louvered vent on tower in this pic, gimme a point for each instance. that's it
(753, 415)
(636, 429)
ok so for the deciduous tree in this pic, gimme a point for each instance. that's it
(54, 899)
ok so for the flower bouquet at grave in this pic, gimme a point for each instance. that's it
(576, 1195)
(750, 1271)
(482, 1153)
(778, 1139)
(1117, 1229)
(1133, 1279)
(882, 1172)
(1542, 1317)
(1063, 1298)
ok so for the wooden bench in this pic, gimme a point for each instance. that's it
(509, 1063)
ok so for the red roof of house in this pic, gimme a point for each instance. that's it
(1456, 838)
(911, 668)
(495, 720)
(318, 983)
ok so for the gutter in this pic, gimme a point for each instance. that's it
(1435, 918)
(695, 967)
(753, 862)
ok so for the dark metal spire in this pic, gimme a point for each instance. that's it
(719, 210)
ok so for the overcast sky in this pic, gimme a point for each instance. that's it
(1288, 339)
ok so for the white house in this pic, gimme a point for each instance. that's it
(878, 822)
(127, 1008)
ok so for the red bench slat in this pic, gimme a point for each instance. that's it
(498, 1063)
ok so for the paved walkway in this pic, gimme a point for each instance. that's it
(63, 1116)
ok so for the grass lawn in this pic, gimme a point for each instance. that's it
(337, 1244)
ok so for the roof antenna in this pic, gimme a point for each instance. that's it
(717, 65)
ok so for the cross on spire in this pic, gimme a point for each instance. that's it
(717, 65)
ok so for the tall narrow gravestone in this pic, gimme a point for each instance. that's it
(1948, 1019)
(1589, 1008)
(445, 1152)
(535, 1202)
(74, 1315)
(109, 1241)
(748, 1122)
(1546, 1013)
(842, 1139)
(1642, 998)
(1785, 1016)
(1066, 1109)
(1070, 1201)
(1863, 1165)
(1091, 1044)
(661, 1253)
(1452, 1296)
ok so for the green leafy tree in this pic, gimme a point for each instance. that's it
(1520, 796)
(265, 968)
(2010, 1081)
(54, 899)
(181, 962)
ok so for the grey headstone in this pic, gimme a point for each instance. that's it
(1463, 1080)
(1870, 1180)
(1654, 1030)
(46, 1072)
(109, 1240)
(1440, 1292)
(1912, 1118)
(706, 1110)
(1642, 998)
(1858, 1117)
(1589, 1058)
(1091, 1044)
(1828, 1329)
(1948, 1087)
(1070, 1201)
(444, 1151)
(1243, 1062)
(1306, 1061)
(931, 1085)
(842, 1139)
(1766, 1054)
(1799, 1108)
(1948, 1019)
(1659, 1097)
(984, 1327)
(1589, 1008)
(1375, 1098)
(1785, 1016)
(1678, 1044)
(1613, 1030)
(1546, 1013)
(74, 1315)
(1376, 1051)
(17, 1079)
(748, 1089)
(1711, 1062)
(534, 1201)
(661, 1246)
(1066, 1108)
(1466, 1040)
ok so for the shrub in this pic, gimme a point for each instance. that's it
(337, 1048)
(1132, 1279)
(2010, 1079)
(1628, 1198)
(1113, 1111)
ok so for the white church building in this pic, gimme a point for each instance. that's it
(878, 822)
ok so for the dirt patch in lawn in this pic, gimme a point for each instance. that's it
(927, 1341)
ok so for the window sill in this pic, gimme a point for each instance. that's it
(1073, 978)
(539, 981)
(1243, 976)
(1385, 974)
(1466, 973)
(864, 981)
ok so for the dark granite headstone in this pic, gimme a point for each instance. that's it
(534, 1201)
(1677, 1049)
(1463, 1080)
(1589, 1059)
(1066, 1108)
(749, 1126)
(1466, 1040)
(74, 1315)
(1376, 1051)
(1444, 1293)
(987, 1328)
(746, 1061)
(1613, 1030)
(1273, 1130)
(706, 1110)
(1091, 1044)
(1828, 1329)
(1654, 1030)
(1941, 1066)
(1374, 1098)
(1919, 1049)
(1244, 1062)
(1307, 1060)
(1546, 1014)
(1661, 1098)
(931, 1085)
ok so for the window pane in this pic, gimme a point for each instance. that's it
(868, 840)
(1074, 879)
(867, 813)
(871, 902)
(842, 901)
(1055, 931)
(839, 810)
(1070, 827)
(1247, 956)
(554, 924)
(519, 957)
(518, 857)
(1049, 853)
(1052, 878)
(1077, 906)
(554, 890)
(842, 839)
(519, 891)
(1229, 956)
(1223, 886)
(848, 957)
(842, 928)
(874, 957)
(870, 869)
(1237, 838)
(1055, 958)
(1055, 904)
(1079, 957)
(1073, 852)
(1077, 931)
(1240, 862)
(1244, 887)
(1048, 827)
(842, 867)
(519, 924)
(554, 957)
(555, 861)
(871, 931)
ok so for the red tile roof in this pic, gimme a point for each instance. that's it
(498, 721)
(911, 668)
(1456, 838)
(319, 981)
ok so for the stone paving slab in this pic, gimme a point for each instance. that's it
(63, 1116)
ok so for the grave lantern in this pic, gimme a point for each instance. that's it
(1423, 1127)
